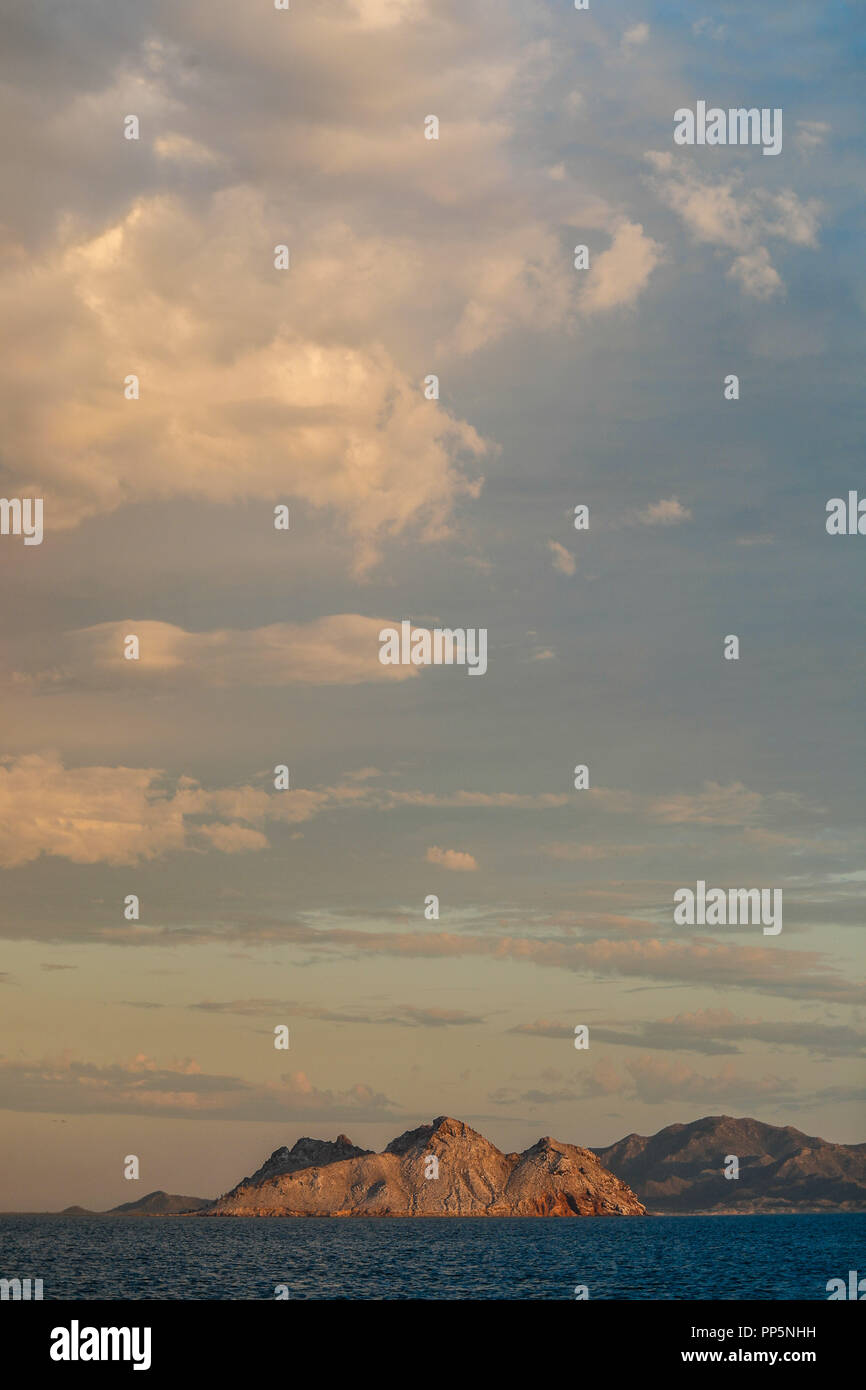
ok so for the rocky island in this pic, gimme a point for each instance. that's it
(441, 1169)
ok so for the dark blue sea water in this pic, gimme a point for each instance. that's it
(678, 1257)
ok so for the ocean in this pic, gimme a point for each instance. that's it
(634, 1258)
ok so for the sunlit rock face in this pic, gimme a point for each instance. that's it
(441, 1169)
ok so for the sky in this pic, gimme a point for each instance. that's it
(304, 387)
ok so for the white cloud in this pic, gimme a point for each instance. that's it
(618, 275)
(722, 214)
(124, 815)
(756, 274)
(667, 512)
(183, 149)
(242, 393)
(454, 859)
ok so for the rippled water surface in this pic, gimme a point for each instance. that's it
(726, 1257)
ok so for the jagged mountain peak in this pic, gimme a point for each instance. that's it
(443, 1128)
(304, 1153)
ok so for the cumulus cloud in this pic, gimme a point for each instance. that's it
(257, 383)
(756, 274)
(88, 815)
(618, 275)
(723, 213)
(124, 815)
(457, 860)
(235, 401)
(668, 511)
(183, 149)
(233, 839)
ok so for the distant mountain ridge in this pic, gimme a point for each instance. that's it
(161, 1204)
(441, 1169)
(153, 1204)
(681, 1168)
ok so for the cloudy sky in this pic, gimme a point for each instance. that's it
(305, 387)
